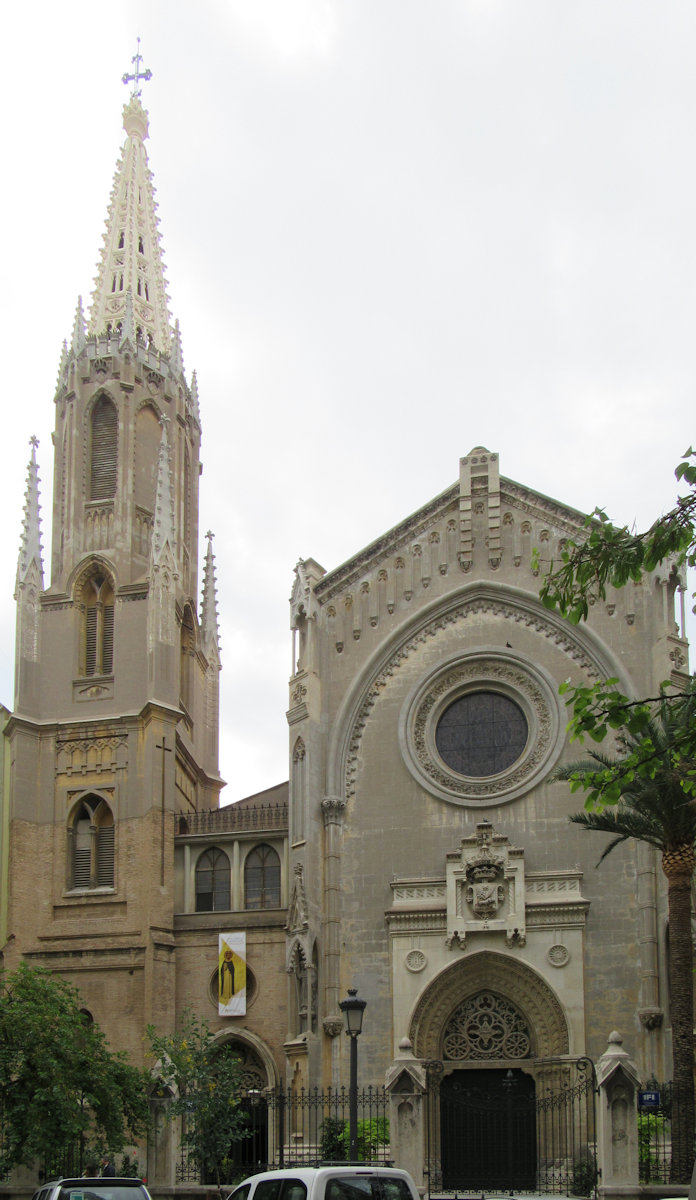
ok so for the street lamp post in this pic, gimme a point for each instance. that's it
(353, 1008)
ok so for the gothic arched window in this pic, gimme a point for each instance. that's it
(262, 878)
(97, 642)
(104, 450)
(91, 845)
(213, 881)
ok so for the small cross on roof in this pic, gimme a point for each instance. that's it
(138, 76)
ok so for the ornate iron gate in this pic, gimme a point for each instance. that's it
(530, 1128)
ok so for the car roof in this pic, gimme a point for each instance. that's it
(91, 1182)
(306, 1174)
(104, 1180)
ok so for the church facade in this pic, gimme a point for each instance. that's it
(441, 873)
(421, 851)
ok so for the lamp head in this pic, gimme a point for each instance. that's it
(353, 1008)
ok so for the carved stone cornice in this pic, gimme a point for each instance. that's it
(567, 520)
(368, 559)
(433, 921)
(558, 916)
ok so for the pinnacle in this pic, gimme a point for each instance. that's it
(30, 548)
(177, 355)
(79, 335)
(195, 405)
(210, 633)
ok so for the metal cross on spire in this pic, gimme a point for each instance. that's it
(138, 76)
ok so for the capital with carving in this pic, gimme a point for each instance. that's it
(651, 1018)
(333, 808)
(333, 1026)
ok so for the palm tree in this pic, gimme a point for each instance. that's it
(654, 808)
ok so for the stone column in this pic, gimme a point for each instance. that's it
(617, 1122)
(162, 1143)
(333, 808)
(406, 1086)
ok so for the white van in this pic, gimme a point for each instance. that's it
(328, 1183)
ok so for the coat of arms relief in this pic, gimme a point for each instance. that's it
(485, 888)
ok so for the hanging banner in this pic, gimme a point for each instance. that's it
(232, 974)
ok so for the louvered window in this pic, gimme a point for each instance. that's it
(108, 639)
(91, 843)
(105, 856)
(82, 852)
(104, 456)
(213, 882)
(98, 647)
(262, 878)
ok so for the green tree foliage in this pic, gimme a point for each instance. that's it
(613, 556)
(372, 1134)
(653, 808)
(59, 1081)
(204, 1079)
(652, 780)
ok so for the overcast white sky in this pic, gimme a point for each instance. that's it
(394, 230)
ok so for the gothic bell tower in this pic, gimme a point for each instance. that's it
(115, 723)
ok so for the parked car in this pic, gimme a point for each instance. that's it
(93, 1188)
(328, 1183)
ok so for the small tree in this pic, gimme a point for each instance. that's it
(205, 1079)
(656, 810)
(611, 555)
(60, 1084)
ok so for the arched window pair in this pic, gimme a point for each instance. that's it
(261, 880)
(91, 845)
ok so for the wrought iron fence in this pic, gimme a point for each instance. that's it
(656, 1103)
(288, 1127)
(498, 1130)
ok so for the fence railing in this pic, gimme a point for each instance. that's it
(288, 1127)
(233, 819)
(655, 1132)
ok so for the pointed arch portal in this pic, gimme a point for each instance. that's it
(497, 1035)
(512, 981)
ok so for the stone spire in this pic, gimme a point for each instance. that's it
(131, 257)
(163, 526)
(30, 549)
(210, 631)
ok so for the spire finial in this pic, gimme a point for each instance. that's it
(138, 76)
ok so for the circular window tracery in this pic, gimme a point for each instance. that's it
(483, 727)
(481, 733)
(484, 1027)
